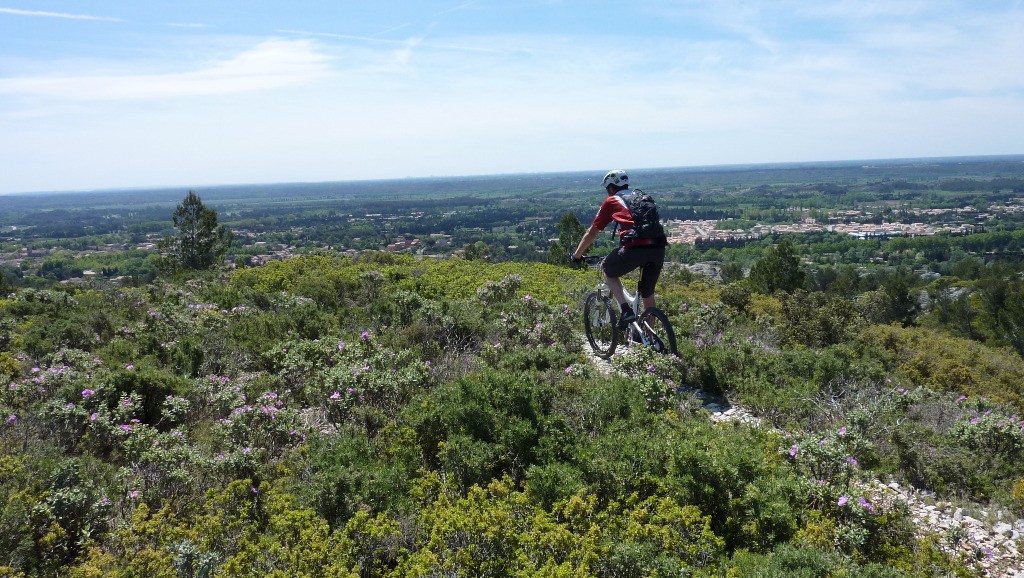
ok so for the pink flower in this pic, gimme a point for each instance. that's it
(842, 431)
(133, 494)
(335, 395)
(129, 367)
(341, 345)
(93, 417)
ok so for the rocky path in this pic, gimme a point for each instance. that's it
(990, 537)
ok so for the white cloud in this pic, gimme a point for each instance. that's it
(271, 64)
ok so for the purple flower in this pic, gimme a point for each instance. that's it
(866, 504)
(335, 395)
(793, 450)
(93, 417)
(961, 398)
(12, 419)
(88, 393)
(842, 500)
(842, 431)
(976, 421)
(852, 461)
(129, 367)
(365, 335)
(125, 427)
(133, 494)
(341, 346)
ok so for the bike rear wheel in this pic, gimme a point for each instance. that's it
(600, 321)
(658, 331)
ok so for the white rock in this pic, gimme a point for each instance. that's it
(958, 514)
(1003, 529)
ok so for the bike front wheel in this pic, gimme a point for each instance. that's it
(657, 331)
(600, 321)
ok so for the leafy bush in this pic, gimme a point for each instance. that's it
(952, 364)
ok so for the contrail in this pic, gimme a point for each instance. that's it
(57, 15)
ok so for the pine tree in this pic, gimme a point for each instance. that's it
(200, 242)
(777, 270)
(570, 231)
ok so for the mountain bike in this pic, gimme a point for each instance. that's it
(601, 323)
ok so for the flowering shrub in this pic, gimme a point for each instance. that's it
(658, 377)
(991, 430)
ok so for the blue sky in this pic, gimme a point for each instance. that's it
(111, 93)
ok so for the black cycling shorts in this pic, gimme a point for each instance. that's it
(647, 258)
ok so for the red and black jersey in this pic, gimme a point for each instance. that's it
(614, 209)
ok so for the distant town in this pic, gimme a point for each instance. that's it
(962, 220)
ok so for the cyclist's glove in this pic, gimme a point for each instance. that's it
(573, 259)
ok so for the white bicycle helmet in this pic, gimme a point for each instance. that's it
(618, 177)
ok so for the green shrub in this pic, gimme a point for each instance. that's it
(480, 426)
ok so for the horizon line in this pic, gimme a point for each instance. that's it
(683, 168)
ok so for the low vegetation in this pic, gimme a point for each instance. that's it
(384, 415)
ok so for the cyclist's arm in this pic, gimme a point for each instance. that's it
(586, 241)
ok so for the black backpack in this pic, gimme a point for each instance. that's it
(646, 221)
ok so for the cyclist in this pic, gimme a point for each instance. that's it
(648, 255)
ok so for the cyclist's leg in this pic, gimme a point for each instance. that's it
(614, 266)
(650, 270)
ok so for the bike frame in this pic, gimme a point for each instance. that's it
(638, 334)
